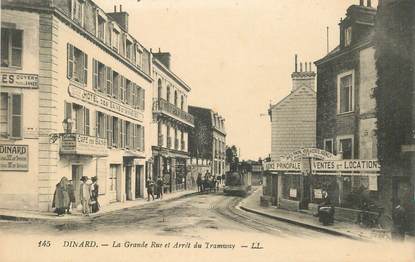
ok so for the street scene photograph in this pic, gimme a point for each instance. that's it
(191, 130)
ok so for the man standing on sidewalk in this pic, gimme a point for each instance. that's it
(160, 187)
(150, 189)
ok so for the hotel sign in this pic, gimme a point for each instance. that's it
(30, 81)
(104, 102)
(14, 157)
(76, 144)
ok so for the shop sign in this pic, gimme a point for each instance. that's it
(308, 153)
(30, 81)
(346, 165)
(104, 102)
(293, 192)
(14, 157)
(83, 145)
(318, 194)
(283, 166)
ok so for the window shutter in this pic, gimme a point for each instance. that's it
(97, 125)
(94, 74)
(142, 138)
(87, 122)
(16, 116)
(68, 110)
(122, 88)
(109, 130)
(70, 58)
(85, 77)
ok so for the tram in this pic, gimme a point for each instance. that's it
(237, 183)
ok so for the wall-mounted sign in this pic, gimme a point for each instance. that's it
(293, 192)
(283, 166)
(308, 152)
(104, 102)
(76, 144)
(19, 80)
(14, 157)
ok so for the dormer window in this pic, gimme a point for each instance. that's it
(347, 36)
(115, 39)
(77, 11)
(101, 28)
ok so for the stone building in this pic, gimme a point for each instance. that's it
(346, 120)
(74, 102)
(207, 142)
(172, 124)
(293, 126)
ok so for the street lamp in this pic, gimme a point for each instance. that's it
(67, 128)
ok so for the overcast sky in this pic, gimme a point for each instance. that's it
(237, 56)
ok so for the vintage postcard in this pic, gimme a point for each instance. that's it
(220, 130)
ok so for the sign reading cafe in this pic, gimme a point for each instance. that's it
(14, 157)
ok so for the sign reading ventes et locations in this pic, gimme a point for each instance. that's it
(19, 80)
(14, 157)
(104, 102)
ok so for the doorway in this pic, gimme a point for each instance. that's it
(128, 194)
(77, 173)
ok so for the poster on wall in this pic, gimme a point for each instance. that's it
(14, 157)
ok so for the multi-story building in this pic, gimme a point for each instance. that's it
(207, 142)
(172, 124)
(293, 127)
(346, 120)
(73, 102)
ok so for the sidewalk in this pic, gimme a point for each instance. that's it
(38, 216)
(348, 230)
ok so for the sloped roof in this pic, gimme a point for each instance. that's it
(281, 102)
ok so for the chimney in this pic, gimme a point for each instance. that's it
(369, 3)
(309, 68)
(120, 17)
(295, 61)
(163, 57)
(301, 67)
(305, 65)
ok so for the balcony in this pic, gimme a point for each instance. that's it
(162, 106)
(77, 144)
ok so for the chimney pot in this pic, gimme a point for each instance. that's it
(159, 50)
(305, 65)
(115, 8)
(120, 8)
(295, 61)
(301, 67)
(369, 3)
(309, 68)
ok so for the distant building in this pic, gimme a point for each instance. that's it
(207, 142)
(172, 124)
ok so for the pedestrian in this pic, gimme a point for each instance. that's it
(61, 197)
(94, 195)
(160, 187)
(199, 182)
(85, 195)
(150, 189)
(399, 222)
(72, 199)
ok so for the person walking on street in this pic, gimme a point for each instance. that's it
(71, 193)
(399, 222)
(199, 182)
(61, 197)
(160, 187)
(94, 195)
(85, 195)
(150, 189)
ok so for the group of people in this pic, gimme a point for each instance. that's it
(155, 187)
(64, 198)
(207, 181)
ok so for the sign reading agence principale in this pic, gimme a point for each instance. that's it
(14, 157)
(104, 102)
(19, 80)
(345, 165)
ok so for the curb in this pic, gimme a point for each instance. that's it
(302, 224)
(80, 218)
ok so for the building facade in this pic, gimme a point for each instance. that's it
(207, 142)
(346, 119)
(293, 127)
(172, 124)
(75, 102)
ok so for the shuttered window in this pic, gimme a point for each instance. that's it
(109, 130)
(109, 80)
(87, 122)
(77, 65)
(11, 116)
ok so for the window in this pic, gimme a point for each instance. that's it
(122, 133)
(181, 102)
(129, 135)
(160, 134)
(139, 56)
(11, 47)
(116, 83)
(141, 98)
(129, 92)
(112, 178)
(11, 116)
(108, 34)
(115, 39)
(109, 130)
(122, 89)
(348, 36)
(168, 94)
(160, 88)
(328, 145)
(99, 76)
(81, 120)
(129, 47)
(77, 65)
(77, 11)
(101, 28)
(345, 146)
(115, 131)
(175, 98)
(101, 119)
(345, 93)
(109, 80)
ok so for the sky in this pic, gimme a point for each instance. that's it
(237, 55)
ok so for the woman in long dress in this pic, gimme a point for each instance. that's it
(61, 197)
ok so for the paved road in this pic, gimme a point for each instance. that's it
(192, 216)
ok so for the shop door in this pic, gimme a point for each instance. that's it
(77, 173)
(138, 192)
(128, 182)
(112, 183)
